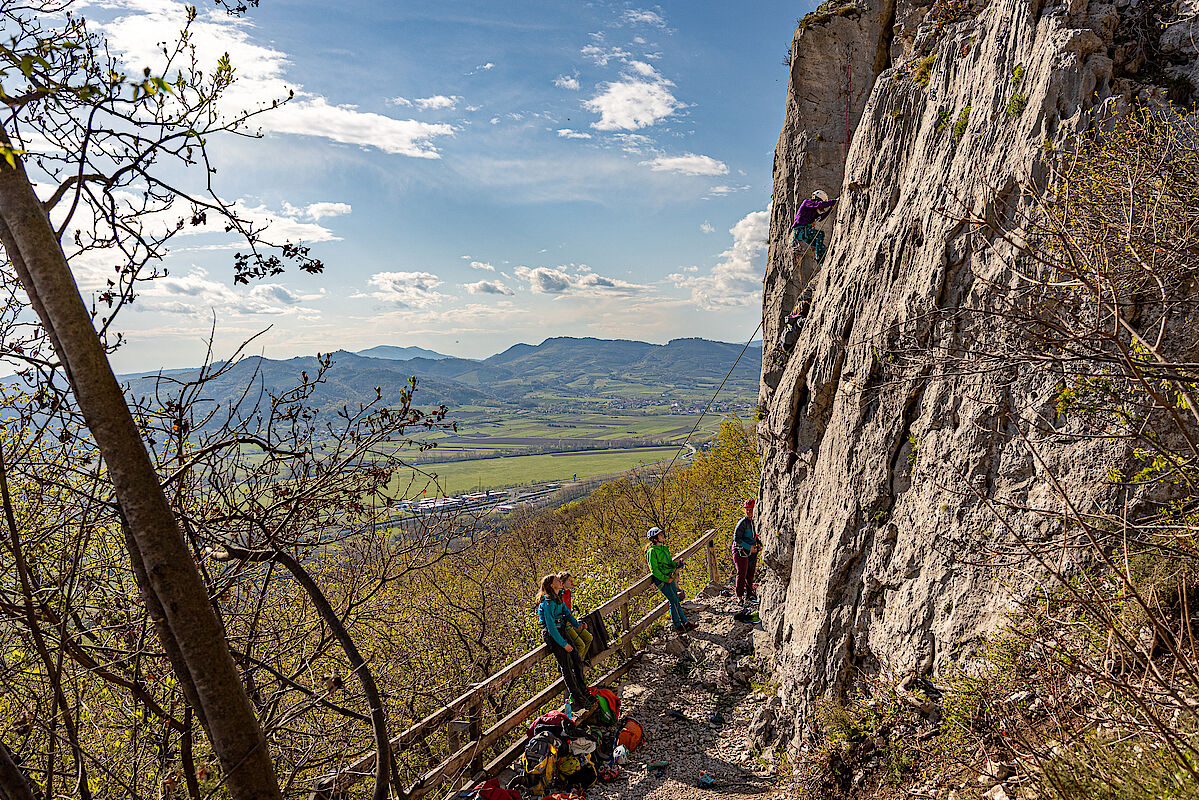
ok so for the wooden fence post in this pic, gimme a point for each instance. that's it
(475, 729)
(713, 572)
(455, 729)
(624, 628)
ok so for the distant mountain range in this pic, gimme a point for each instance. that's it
(394, 353)
(559, 374)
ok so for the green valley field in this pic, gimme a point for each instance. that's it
(457, 477)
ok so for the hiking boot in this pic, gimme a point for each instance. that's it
(679, 628)
(690, 626)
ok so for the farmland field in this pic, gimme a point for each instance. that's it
(486, 432)
(456, 477)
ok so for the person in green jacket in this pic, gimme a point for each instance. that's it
(662, 568)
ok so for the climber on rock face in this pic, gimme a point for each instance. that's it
(811, 211)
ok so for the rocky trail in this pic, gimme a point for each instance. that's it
(701, 713)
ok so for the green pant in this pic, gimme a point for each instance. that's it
(580, 640)
(811, 236)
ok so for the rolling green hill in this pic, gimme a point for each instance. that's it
(560, 374)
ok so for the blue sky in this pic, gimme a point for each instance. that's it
(478, 174)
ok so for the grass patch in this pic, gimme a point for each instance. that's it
(943, 117)
(829, 9)
(1016, 104)
(922, 68)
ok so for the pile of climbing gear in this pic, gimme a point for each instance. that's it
(563, 757)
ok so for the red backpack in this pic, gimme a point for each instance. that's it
(552, 719)
(490, 790)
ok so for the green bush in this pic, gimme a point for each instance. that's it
(1017, 75)
(1015, 104)
(959, 127)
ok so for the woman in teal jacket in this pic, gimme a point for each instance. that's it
(554, 615)
(662, 568)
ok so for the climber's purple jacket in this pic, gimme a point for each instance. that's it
(810, 211)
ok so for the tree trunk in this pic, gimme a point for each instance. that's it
(13, 785)
(191, 635)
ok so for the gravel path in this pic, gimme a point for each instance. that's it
(700, 675)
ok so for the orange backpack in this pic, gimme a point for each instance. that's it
(631, 734)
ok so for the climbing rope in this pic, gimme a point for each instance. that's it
(714, 394)
(848, 90)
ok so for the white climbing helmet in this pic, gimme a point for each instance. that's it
(820, 195)
(653, 533)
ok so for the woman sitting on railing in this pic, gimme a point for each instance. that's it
(554, 616)
(579, 637)
(662, 568)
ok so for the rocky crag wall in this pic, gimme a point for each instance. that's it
(876, 491)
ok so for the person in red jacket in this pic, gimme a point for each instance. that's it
(811, 211)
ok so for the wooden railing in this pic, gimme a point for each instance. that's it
(463, 716)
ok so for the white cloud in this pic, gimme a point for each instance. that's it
(687, 164)
(405, 289)
(93, 267)
(723, 190)
(706, 227)
(481, 265)
(639, 16)
(488, 287)
(643, 69)
(632, 103)
(546, 280)
(260, 79)
(318, 211)
(567, 82)
(497, 317)
(602, 55)
(487, 66)
(737, 279)
(280, 226)
(437, 102)
(567, 133)
(195, 293)
(405, 137)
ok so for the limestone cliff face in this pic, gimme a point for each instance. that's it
(877, 489)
